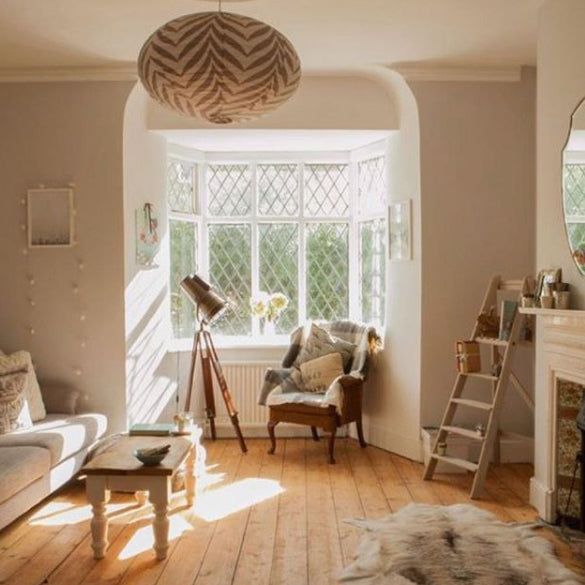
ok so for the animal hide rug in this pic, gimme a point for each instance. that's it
(452, 545)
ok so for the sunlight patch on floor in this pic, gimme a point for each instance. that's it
(143, 538)
(215, 504)
(206, 479)
(62, 513)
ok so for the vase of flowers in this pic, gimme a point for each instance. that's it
(268, 307)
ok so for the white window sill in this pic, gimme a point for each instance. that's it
(280, 342)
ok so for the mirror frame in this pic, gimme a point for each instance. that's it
(580, 266)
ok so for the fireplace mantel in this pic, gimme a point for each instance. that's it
(560, 355)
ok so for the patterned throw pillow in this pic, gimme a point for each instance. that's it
(20, 361)
(319, 373)
(319, 343)
(14, 413)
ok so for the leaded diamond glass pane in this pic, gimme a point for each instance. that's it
(574, 191)
(372, 185)
(183, 262)
(278, 190)
(327, 253)
(230, 271)
(181, 185)
(279, 261)
(373, 271)
(327, 189)
(229, 190)
(576, 233)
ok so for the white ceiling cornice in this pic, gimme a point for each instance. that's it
(68, 74)
(468, 73)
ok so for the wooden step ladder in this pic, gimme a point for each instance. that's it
(501, 352)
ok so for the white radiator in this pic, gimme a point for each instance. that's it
(245, 380)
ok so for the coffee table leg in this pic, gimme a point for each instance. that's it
(159, 498)
(98, 497)
(190, 476)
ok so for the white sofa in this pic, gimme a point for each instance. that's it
(37, 461)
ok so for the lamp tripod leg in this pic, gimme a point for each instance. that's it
(225, 391)
(208, 390)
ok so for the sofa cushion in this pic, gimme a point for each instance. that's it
(62, 436)
(20, 467)
(14, 413)
(21, 361)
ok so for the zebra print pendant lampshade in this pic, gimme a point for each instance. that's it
(219, 66)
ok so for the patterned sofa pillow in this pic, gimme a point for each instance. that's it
(14, 413)
(319, 373)
(319, 343)
(21, 361)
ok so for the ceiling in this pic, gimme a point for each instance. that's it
(328, 34)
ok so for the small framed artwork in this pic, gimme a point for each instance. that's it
(50, 218)
(544, 281)
(399, 230)
(147, 239)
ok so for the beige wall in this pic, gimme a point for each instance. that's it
(561, 86)
(54, 134)
(478, 195)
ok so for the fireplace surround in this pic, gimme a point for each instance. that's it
(560, 359)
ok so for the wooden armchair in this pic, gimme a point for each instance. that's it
(340, 404)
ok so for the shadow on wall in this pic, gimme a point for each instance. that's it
(150, 381)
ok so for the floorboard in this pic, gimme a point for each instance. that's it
(258, 518)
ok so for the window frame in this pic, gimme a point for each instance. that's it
(353, 219)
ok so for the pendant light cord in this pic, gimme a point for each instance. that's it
(219, 8)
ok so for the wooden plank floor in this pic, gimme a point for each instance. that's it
(259, 519)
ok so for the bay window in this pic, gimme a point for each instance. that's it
(312, 230)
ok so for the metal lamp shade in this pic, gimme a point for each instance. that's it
(209, 303)
(219, 66)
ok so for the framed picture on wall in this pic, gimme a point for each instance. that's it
(50, 218)
(399, 230)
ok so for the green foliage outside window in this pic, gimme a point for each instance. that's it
(230, 272)
(183, 262)
(327, 271)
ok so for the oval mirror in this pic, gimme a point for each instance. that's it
(574, 186)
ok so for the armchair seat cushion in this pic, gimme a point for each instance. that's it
(311, 398)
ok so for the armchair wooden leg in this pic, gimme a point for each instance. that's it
(332, 445)
(360, 432)
(271, 425)
(315, 433)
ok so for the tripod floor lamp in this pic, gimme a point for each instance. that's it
(209, 307)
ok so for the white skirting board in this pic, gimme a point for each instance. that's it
(514, 448)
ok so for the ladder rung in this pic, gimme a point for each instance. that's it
(473, 403)
(492, 341)
(480, 376)
(463, 432)
(469, 465)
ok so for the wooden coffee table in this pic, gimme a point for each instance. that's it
(118, 469)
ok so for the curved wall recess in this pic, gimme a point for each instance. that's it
(363, 99)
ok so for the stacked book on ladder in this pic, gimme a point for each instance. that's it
(501, 334)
